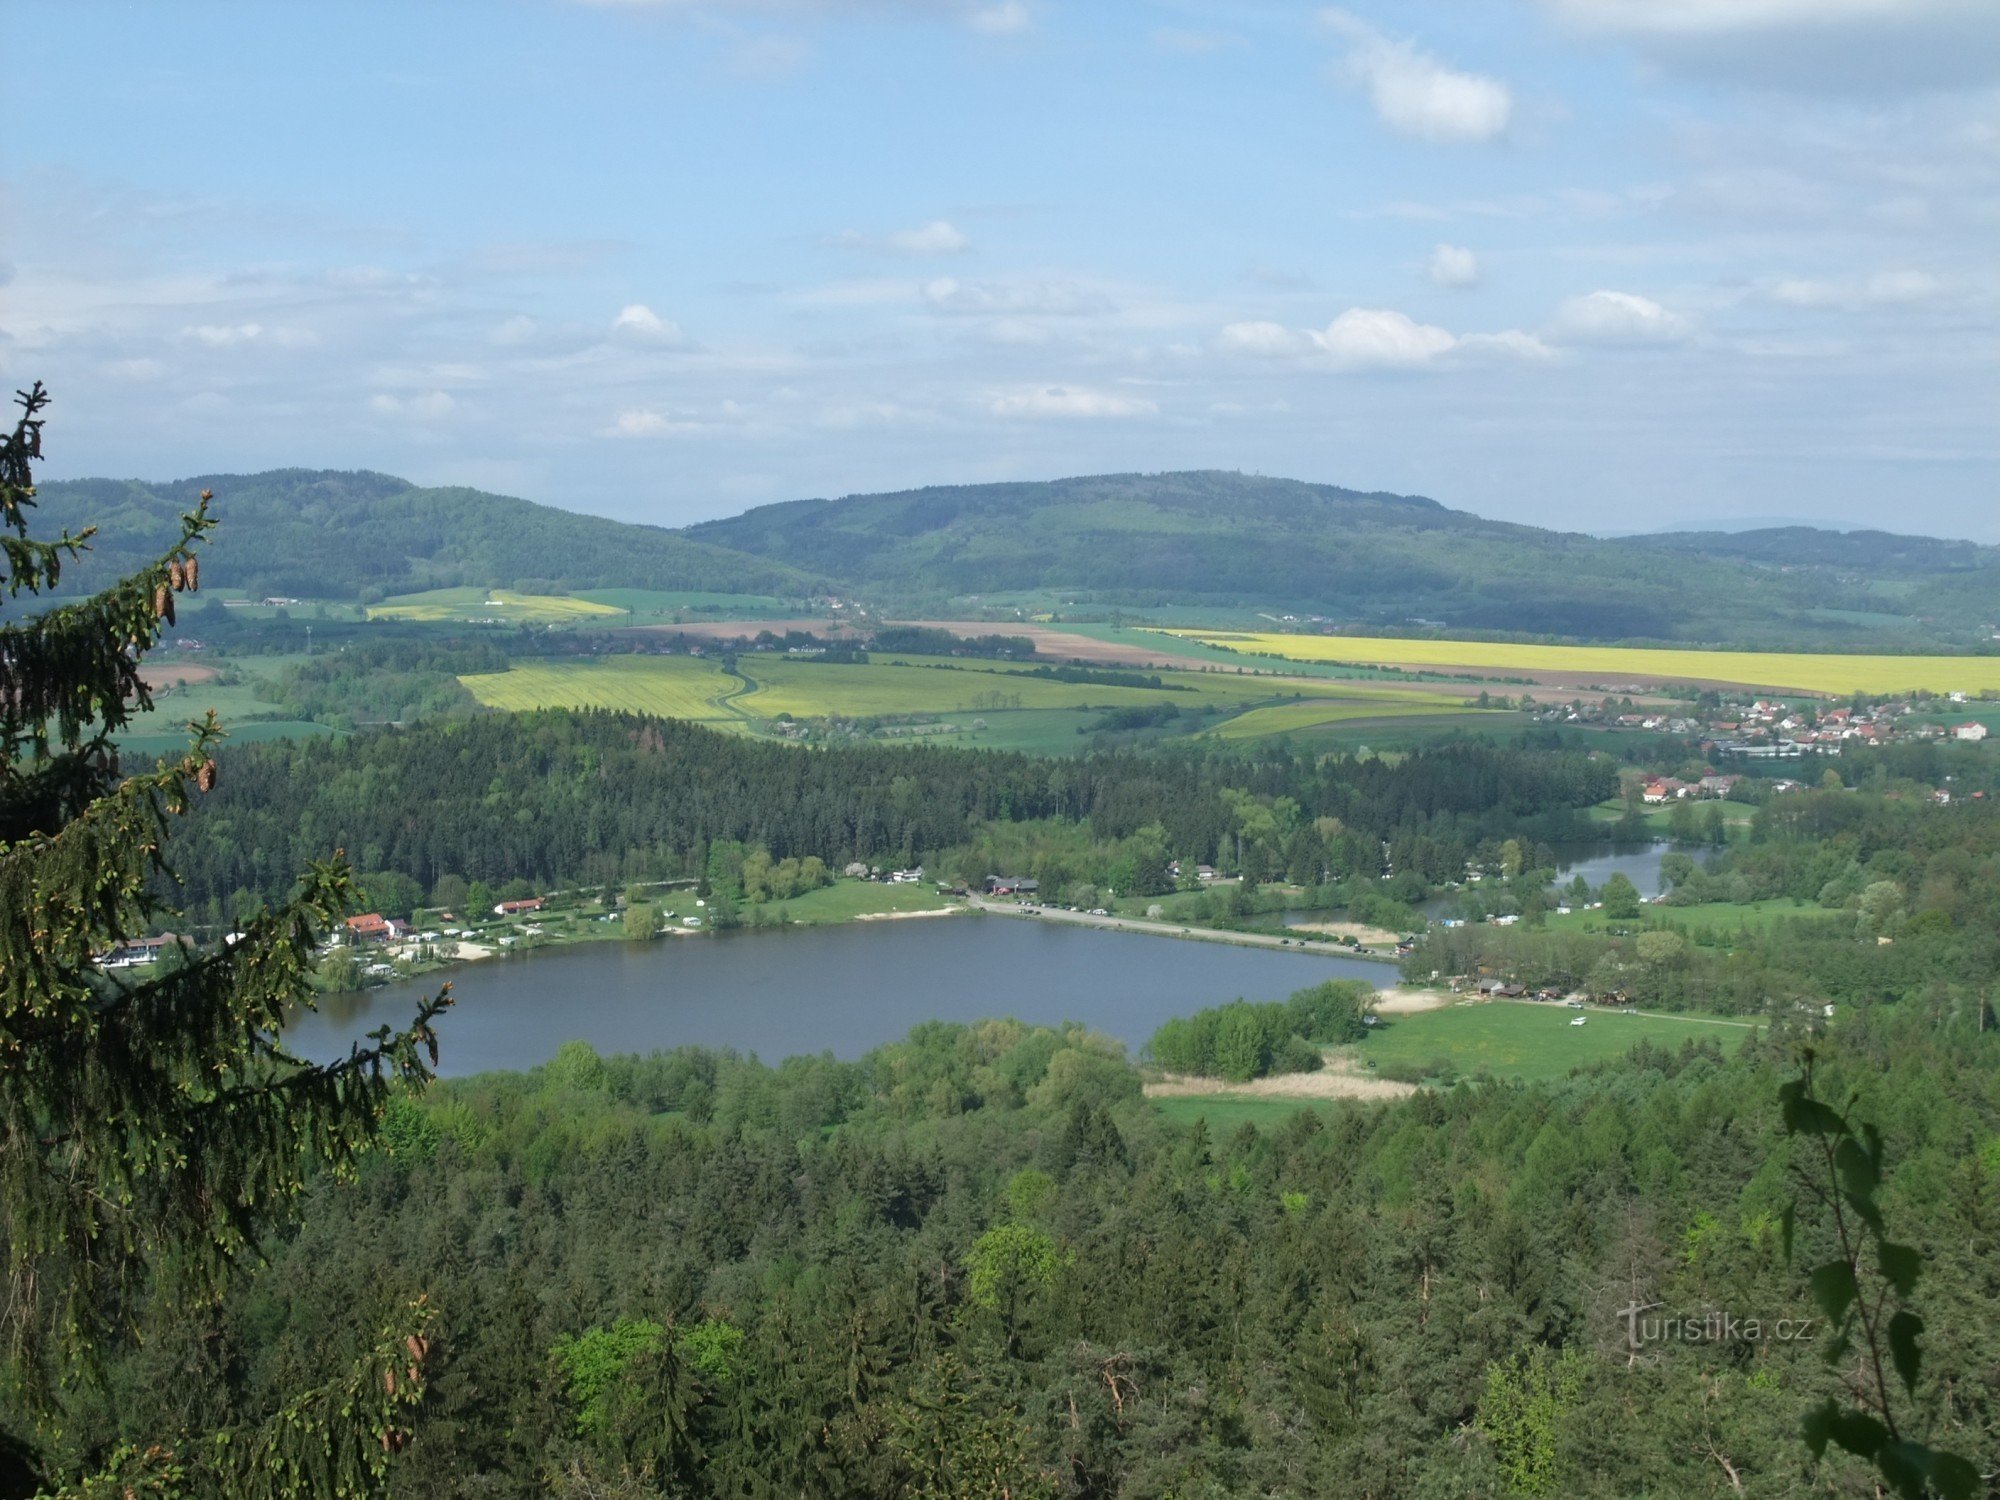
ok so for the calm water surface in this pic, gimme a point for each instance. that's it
(838, 989)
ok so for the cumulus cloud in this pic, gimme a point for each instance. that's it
(1871, 46)
(1374, 339)
(639, 324)
(1884, 288)
(1615, 318)
(1454, 266)
(1069, 401)
(1416, 95)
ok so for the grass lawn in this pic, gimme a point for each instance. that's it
(1520, 1039)
(1308, 714)
(845, 900)
(1804, 671)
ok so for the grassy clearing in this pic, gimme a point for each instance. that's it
(845, 900)
(1657, 817)
(485, 606)
(1708, 923)
(1530, 1041)
(1778, 670)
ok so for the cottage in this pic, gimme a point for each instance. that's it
(518, 908)
(1971, 730)
(371, 927)
(1011, 885)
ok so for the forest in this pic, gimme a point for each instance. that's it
(978, 1263)
(597, 798)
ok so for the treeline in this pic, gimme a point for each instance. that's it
(1245, 1040)
(926, 640)
(977, 1263)
(397, 679)
(559, 798)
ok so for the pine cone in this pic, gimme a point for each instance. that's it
(205, 777)
(174, 576)
(163, 603)
(191, 571)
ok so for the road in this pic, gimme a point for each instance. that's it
(1172, 929)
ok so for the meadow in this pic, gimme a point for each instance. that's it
(480, 605)
(1765, 670)
(764, 687)
(1531, 1041)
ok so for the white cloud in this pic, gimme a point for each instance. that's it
(1414, 94)
(638, 423)
(1271, 340)
(1373, 338)
(1884, 288)
(221, 336)
(429, 406)
(1617, 318)
(232, 335)
(639, 324)
(1512, 342)
(1454, 266)
(1069, 401)
(938, 237)
(1009, 18)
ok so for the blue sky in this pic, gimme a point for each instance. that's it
(1596, 264)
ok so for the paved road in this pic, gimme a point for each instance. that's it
(1171, 929)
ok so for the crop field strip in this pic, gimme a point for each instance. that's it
(698, 688)
(1764, 670)
(442, 605)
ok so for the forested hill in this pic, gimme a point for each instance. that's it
(321, 533)
(1212, 538)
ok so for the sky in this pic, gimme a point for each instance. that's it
(1605, 265)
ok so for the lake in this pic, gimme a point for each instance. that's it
(823, 989)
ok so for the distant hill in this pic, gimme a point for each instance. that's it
(1210, 538)
(1138, 542)
(328, 534)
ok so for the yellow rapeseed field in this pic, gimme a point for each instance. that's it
(489, 604)
(1771, 670)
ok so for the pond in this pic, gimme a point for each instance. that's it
(836, 989)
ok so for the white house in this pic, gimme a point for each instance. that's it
(1972, 729)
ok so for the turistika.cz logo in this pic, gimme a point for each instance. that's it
(1648, 1328)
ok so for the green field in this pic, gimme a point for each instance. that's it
(845, 900)
(1527, 1040)
(1776, 670)
(765, 686)
(657, 606)
(1321, 713)
(1656, 817)
(487, 606)
(1707, 922)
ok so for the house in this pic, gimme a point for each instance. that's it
(1718, 786)
(371, 927)
(1971, 730)
(518, 908)
(134, 952)
(1011, 885)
